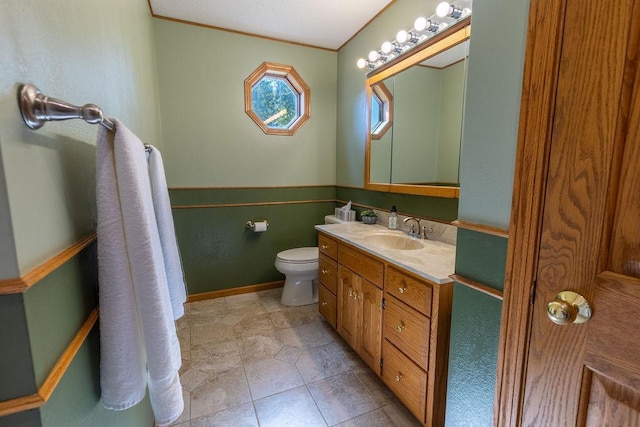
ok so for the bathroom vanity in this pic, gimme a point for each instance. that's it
(389, 296)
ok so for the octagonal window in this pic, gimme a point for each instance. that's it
(277, 99)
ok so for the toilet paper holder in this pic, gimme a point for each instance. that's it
(252, 224)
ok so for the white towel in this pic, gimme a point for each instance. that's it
(166, 230)
(139, 345)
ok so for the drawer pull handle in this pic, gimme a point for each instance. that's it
(401, 327)
(399, 376)
(324, 246)
(402, 290)
(324, 304)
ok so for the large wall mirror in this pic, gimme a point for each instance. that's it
(420, 150)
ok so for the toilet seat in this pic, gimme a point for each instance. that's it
(298, 256)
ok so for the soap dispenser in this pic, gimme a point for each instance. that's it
(393, 218)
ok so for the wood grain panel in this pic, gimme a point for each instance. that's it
(327, 246)
(362, 264)
(370, 307)
(405, 379)
(328, 272)
(413, 292)
(327, 305)
(408, 330)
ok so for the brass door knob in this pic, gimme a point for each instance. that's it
(568, 307)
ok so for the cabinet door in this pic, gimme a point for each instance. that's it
(347, 308)
(370, 310)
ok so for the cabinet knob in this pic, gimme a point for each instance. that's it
(402, 289)
(399, 376)
(324, 304)
(350, 292)
(400, 327)
(324, 246)
(324, 271)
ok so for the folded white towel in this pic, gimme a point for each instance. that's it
(139, 345)
(167, 233)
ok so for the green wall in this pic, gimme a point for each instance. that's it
(219, 252)
(81, 52)
(209, 140)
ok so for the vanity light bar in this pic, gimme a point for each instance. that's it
(423, 29)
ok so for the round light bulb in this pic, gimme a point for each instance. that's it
(443, 9)
(420, 24)
(402, 36)
(361, 63)
(373, 56)
(386, 47)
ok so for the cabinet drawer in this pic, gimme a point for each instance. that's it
(409, 290)
(327, 246)
(405, 379)
(361, 264)
(408, 330)
(327, 305)
(328, 272)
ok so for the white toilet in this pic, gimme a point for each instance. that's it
(300, 267)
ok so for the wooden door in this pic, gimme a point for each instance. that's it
(370, 310)
(589, 373)
(347, 312)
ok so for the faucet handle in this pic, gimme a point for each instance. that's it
(424, 231)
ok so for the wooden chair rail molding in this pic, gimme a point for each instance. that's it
(21, 284)
(486, 229)
(480, 287)
(33, 401)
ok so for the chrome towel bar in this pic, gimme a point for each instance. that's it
(37, 109)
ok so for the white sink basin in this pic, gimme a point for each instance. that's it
(393, 241)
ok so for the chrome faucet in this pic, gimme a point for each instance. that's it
(422, 232)
(412, 230)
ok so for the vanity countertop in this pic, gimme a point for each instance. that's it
(434, 262)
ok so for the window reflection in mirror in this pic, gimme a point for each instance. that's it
(381, 130)
(428, 98)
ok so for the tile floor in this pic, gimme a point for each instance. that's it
(250, 361)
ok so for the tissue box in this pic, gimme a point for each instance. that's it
(345, 215)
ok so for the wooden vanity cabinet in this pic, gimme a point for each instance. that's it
(395, 320)
(415, 349)
(360, 316)
(328, 279)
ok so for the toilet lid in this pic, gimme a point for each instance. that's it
(299, 255)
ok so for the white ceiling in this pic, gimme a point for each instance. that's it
(321, 23)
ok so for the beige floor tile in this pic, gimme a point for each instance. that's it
(306, 336)
(400, 415)
(192, 378)
(377, 418)
(238, 416)
(252, 326)
(380, 392)
(342, 398)
(296, 316)
(216, 357)
(289, 354)
(293, 408)
(271, 376)
(219, 392)
(255, 348)
(323, 362)
(211, 333)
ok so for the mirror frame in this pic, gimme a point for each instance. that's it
(455, 35)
